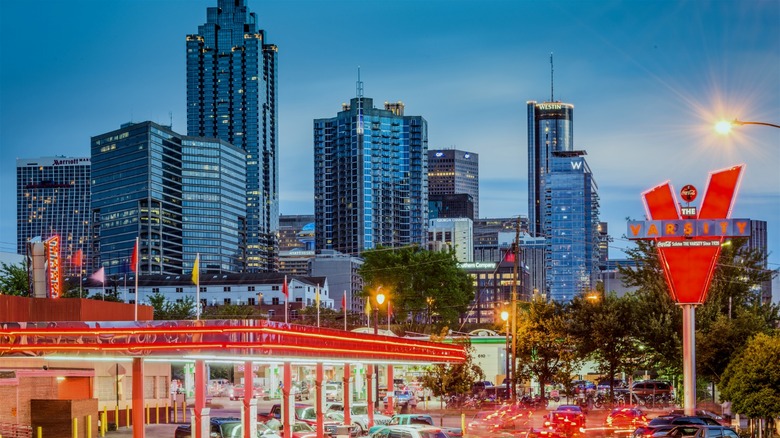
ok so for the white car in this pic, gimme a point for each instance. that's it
(332, 392)
(412, 431)
(358, 413)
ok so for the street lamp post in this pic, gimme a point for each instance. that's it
(725, 126)
(509, 385)
(380, 298)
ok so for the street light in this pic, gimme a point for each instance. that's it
(380, 298)
(724, 126)
(505, 318)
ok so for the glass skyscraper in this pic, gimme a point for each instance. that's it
(370, 178)
(571, 224)
(52, 198)
(232, 95)
(179, 195)
(452, 171)
(550, 129)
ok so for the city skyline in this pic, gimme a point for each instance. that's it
(647, 80)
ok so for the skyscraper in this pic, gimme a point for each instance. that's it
(232, 95)
(571, 226)
(452, 171)
(550, 129)
(52, 198)
(179, 195)
(370, 178)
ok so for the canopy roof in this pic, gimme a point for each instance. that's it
(239, 340)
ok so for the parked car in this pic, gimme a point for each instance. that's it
(478, 387)
(402, 398)
(332, 392)
(418, 431)
(237, 392)
(417, 419)
(226, 427)
(652, 387)
(579, 386)
(566, 421)
(358, 413)
(665, 423)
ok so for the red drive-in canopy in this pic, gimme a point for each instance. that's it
(237, 340)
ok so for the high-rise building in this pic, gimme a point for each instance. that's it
(571, 226)
(178, 195)
(452, 234)
(452, 171)
(232, 95)
(550, 129)
(450, 206)
(758, 242)
(296, 232)
(370, 178)
(52, 198)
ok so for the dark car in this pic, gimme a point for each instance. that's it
(697, 431)
(478, 387)
(652, 387)
(665, 423)
(225, 427)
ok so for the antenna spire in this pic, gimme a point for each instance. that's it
(359, 90)
(552, 80)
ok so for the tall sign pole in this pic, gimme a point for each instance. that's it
(688, 243)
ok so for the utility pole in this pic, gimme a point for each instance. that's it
(514, 308)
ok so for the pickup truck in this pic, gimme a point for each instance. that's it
(225, 427)
(304, 413)
(413, 419)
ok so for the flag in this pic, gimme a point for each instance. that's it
(99, 275)
(196, 270)
(509, 256)
(368, 306)
(134, 257)
(317, 296)
(285, 289)
(77, 258)
(344, 300)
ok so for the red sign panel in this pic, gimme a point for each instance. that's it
(689, 262)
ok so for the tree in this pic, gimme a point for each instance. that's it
(448, 379)
(166, 310)
(545, 347)
(605, 330)
(425, 288)
(13, 279)
(752, 379)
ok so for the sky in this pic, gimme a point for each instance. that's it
(648, 79)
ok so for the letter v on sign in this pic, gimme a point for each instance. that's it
(688, 269)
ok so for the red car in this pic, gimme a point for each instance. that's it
(566, 421)
(625, 420)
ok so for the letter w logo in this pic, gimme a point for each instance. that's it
(576, 165)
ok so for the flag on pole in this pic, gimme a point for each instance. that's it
(134, 257)
(77, 258)
(196, 280)
(344, 306)
(286, 292)
(317, 299)
(285, 289)
(368, 311)
(99, 275)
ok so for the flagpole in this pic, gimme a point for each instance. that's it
(286, 298)
(317, 298)
(344, 305)
(388, 314)
(137, 274)
(196, 274)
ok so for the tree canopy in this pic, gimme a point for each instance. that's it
(752, 379)
(13, 279)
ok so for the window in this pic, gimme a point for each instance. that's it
(179, 289)
(226, 301)
(203, 288)
(250, 288)
(226, 289)
(155, 290)
(250, 301)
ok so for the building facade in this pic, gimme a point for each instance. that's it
(344, 281)
(758, 242)
(370, 178)
(296, 232)
(571, 226)
(550, 129)
(52, 198)
(178, 195)
(232, 95)
(450, 206)
(452, 171)
(452, 234)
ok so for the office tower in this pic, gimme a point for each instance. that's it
(52, 198)
(179, 195)
(296, 232)
(451, 171)
(571, 220)
(370, 178)
(342, 272)
(452, 234)
(758, 242)
(450, 206)
(550, 129)
(231, 95)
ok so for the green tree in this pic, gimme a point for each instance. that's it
(13, 279)
(167, 310)
(752, 379)
(449, 379)
(604, 327)
(427, 289)
(546, 349)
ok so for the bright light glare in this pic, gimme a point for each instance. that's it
(504, 315)
(723, 127)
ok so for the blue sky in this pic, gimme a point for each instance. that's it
(647, 79)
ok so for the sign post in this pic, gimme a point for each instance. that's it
(688, 245)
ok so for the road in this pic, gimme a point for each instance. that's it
(223, 407)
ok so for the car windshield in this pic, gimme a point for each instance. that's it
(306, 413)
(301, 427)
(359, 410)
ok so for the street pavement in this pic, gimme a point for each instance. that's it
(223, 407)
